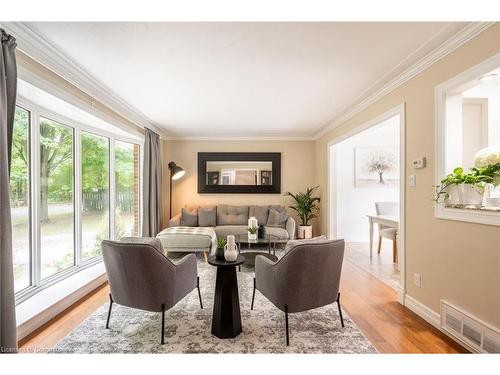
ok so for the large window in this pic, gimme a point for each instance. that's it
(61, 197)
(95, 193)
(20, 199)
(127, 189)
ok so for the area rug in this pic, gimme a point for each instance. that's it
(187, 327)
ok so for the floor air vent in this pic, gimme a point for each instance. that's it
(470, 330)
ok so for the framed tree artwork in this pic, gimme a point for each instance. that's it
(376, 167)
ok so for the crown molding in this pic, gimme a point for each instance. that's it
(44, 52)
(249, 138)
(450, 45)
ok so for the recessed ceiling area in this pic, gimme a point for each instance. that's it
(244, 79)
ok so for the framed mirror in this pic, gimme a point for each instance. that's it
(239, 172)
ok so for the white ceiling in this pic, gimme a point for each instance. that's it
(244, 79)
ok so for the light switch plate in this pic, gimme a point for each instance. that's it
(412, 180)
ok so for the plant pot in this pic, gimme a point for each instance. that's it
(252, 237)
(219, 253)
(304, 231)
(261, 232)
(469, 195)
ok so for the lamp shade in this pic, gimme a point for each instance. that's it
(176, 172)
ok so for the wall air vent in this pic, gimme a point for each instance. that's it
(474, 333)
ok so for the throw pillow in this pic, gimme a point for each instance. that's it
(189, 219)
(207, 217)
(261, 213)
(277, 218)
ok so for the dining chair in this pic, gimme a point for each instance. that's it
(386, 208)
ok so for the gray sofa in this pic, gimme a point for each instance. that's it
(233, 220)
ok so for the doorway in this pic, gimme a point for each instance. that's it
(366, 196)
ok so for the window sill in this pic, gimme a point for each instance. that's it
(46, 304)
(487, 216)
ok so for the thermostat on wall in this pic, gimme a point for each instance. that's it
(419, 163)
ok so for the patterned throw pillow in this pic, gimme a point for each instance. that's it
(189, 219)
(277, 218)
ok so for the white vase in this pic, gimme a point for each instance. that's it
(469, 195)
(252, 236)
(231, 249)
(304, 231)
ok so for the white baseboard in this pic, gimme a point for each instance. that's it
(429, 315)
(43, 317)
(433, 318)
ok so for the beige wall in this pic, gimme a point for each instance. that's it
(458, 261)
(297, 172)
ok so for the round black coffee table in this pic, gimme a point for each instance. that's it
(226, 318)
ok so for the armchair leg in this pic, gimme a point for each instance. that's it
(163, 324)
(253, 295)
(286, 326)
(340, 310)
(109, 311)
(198, 287)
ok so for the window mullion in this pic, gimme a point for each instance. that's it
(112, 189)
(77, 191)
(35, 199)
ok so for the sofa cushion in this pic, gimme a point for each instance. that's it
(207, 216)
(260, 212)
(189, 219)
(291, 244)
(226, 230)
(277, 217)
(232, 215)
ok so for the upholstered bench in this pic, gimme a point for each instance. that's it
(188, 239)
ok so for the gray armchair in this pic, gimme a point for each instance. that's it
(142, 277)
(307, 277)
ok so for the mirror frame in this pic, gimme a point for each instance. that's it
(274, 157)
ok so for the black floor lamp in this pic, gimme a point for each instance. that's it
(176, 172)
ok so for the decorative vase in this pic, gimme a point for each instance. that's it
(304, 231)
(261, 231)
(231, 249)
(219, 253)
(470, 195)
(252, 236)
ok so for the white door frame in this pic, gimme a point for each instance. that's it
(332, 186)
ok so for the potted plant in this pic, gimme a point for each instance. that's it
(252, 233)
(469, 186)
(221, 244)
(307, 208)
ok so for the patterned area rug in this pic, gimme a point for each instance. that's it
(187, 327)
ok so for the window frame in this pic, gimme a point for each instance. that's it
(36, 111)
(440, 210)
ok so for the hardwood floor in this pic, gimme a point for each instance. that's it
(370, 303)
